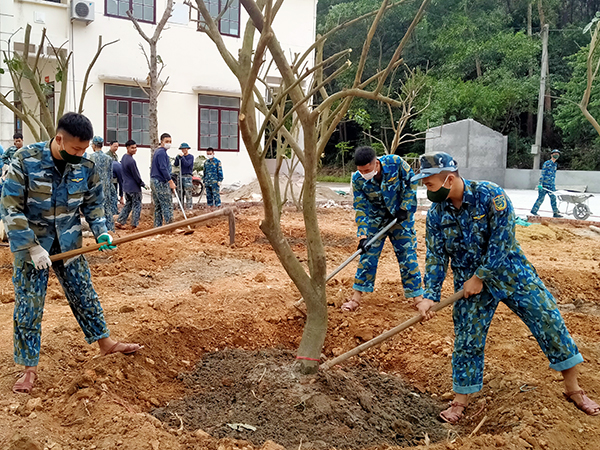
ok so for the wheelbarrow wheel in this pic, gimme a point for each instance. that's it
(581, 211)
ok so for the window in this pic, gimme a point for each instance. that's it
(126, 114)
(229, 24)
(143, 10)
(218, 122)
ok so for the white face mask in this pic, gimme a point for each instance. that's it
(369, 175)
(167, 146)
(210, 156)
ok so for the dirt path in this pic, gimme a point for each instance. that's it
(184, 297)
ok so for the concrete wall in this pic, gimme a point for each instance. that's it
(479, 150)
(529, 179)
(193, 66)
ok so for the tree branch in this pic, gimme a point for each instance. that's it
(85, 89)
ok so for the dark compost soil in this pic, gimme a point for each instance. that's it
(352, 407)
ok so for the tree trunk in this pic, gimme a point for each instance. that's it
(153, 94)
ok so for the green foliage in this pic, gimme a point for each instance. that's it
(335, 178)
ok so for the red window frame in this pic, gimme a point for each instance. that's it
(129, 100)
(222, 4)
(107, 14)
(219, 109)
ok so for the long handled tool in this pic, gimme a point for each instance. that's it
(388, 334)
(189, 230)
(153, 231)
(354, 255)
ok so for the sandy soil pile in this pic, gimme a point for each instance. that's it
(186, 297)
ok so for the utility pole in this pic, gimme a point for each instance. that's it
(536, 148)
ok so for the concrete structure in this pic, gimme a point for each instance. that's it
(194, 67)
(479, 150)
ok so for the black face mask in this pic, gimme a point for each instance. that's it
(440, 195)
(71, 159)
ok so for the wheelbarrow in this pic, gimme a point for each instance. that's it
(576, 203)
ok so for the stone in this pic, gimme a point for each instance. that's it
(126, 309)
(260, 278)
(270, 445)
(447, 396)
(201, 434)
(199, 288)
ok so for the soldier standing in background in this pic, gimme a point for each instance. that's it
(161, 182)
(547, 185)
(186, 162)
(132, 185)
(212, 177)
(103, 165)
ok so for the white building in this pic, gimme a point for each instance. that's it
(198, 105)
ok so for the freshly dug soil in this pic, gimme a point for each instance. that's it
(353, 407)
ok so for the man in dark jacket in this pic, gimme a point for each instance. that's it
(161, 182)
(132, 185)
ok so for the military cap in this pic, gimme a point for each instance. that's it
(97, 140)
(435, 163)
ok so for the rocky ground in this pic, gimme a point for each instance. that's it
(219, 331)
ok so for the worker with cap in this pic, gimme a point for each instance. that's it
(185, 161)
(212, 177)
(547, 186)
(382, 192)
(472, 225)
(103, 165)
(49, 186)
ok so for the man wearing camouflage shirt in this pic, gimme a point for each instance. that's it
(383, 191)
(547, 185)
(472, 224)
(49, 185)
(103, 165)
(212, 177)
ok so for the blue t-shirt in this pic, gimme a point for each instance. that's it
(161, 166)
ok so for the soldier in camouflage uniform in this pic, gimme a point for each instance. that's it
(10, 151)
(49, 185)
(161, 182)
(472, 224)
(547, 186)
(212, 177)
(103, 164)
(383, 191)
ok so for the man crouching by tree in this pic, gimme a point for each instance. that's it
(48, 185)
(382, 192)
(472, 223)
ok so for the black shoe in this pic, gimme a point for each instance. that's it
(534, 214)
(557, 215)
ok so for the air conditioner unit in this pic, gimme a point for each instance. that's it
(82, 10)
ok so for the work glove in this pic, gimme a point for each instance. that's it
(540, 187)
(401, 215)
(105, 239)
(145, 187)
(180, 154)
(362, 245)
(40, 257)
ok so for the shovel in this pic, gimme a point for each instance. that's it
(189, 230)
(352, 257)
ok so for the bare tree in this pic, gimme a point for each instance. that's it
(155, 86)
(593, 64)
(315, 122)
(23, 72)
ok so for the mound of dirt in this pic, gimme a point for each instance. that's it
(257, 396)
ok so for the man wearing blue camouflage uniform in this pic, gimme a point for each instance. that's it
(132, 185)
(472, 224)
(186, 163)
(547, 186)
(103, 165)
(49, 185)
(161, 182)
(383, 191)
(7, 155)
(212, 177)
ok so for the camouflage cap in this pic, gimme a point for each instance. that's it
(435, 163)
(97, 140)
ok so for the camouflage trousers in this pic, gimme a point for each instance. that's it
(163, 202)
(30, 292)
(404, 241)
(133, 205)
(185, 193)
(534, 305)
(213, 197)
(541, 195)
(110, 206)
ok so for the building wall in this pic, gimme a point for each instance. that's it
(479, 150)
(565, 179)
(193, 66)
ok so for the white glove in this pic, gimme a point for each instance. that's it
(40, 257)
(180, 154)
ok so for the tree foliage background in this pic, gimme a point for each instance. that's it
(478, 62)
